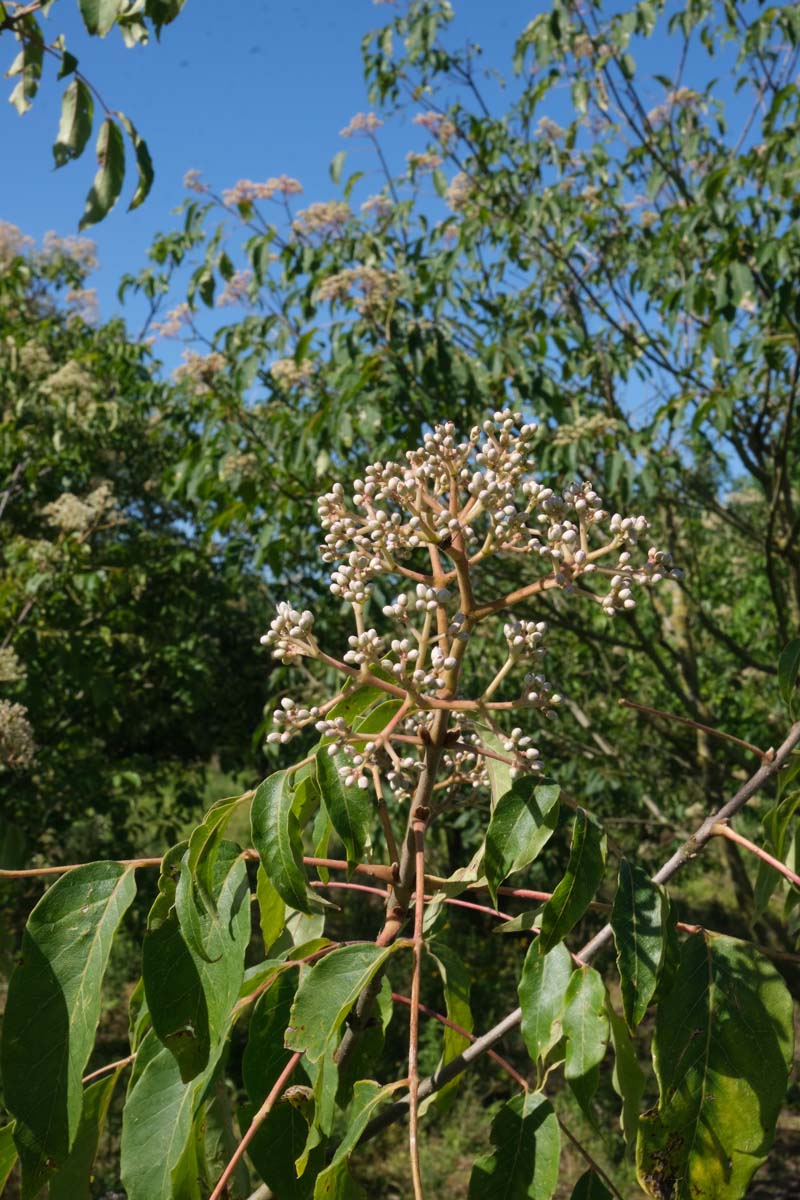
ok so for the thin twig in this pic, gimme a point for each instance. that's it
(437, 1016)
(419, 824)
(112, 1066)
(723, 830)
(709, 729)
(256, 1123)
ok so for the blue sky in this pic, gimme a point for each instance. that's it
(241, 90)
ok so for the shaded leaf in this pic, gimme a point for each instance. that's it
(590, 1187)
(587, 860)
(788, 667)
(638, 918)
(524, 1164)
(8, 1153)
(627, 1077)
(72, 1181)
(542, 996)
(107, 184)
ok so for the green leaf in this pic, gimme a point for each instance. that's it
(205, 841)
(53, 1007)
(28, 65)
(349, 808)
(456, 984)
(271, 909)
(276, 837)
(585, 1026)
(638, 918)
(8, 1153)
(500, 778)
(72, 1181)
(157, 1122)
(587, 860)
(522, 823)
(788, 667)
(367, 1097)
(162, 12)
(99, 15)
(627, 1078)
(278, 1144)
(526, 922)
(722, 1051)
(265, 1055)
(144, 163)
(337, 162)
(77, 109)
(542, 996)
(107, 185)
(327, 993)
(191, 995)
(590, 1187)
(524, 1164)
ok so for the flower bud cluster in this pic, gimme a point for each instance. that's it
(432, 518)
(524, 638)
(365, 648)
(343, 740)
(537, 692)
(290, 634)
(289, 719)
(521, 747)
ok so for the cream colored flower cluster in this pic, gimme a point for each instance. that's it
(429, 522)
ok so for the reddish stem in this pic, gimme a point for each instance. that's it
(112, 1066)
(258, 1120)
(723, 830)
(437, 1016)
(419, 824)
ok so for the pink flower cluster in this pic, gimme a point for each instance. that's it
(365, 123)
(246, 191)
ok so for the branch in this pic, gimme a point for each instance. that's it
(729, 737)
(687, 851)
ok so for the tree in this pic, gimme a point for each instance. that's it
(625, 245)
(122, 623)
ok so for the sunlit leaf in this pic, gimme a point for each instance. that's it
(53, 1007)
(722, 1050)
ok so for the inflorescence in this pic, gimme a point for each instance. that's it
(429, 522)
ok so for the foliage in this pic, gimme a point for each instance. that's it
(321, 1005)
(135, 20)
(122, 623)
(622, 273)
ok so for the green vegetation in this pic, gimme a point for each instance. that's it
(570, 309)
